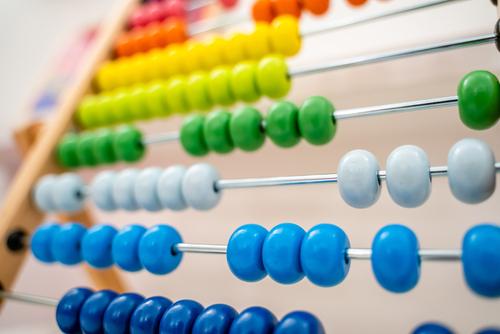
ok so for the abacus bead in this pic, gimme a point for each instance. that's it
(66, 243)
(286, 7)
(191, 136)
(146, 317)
(243, 82)
(68, 309)
(193, 53)
(282, 124)
(198, 187)
(285, 35)
(316, 120)
(213, 50)
(481, 259)
(120, 109)
(105, 113)
(408, 178)
(432, 328)
(358, 180)
(316, 7)
(176, 94)
(86, 113)
(67, 151)
(216, 132)
(156, 99)
(262, 11)
(180, 317)
(254, 320)
(356, 3)
(281, 253)
(41, 242)
(471, 171)
(103, 147)
(117, 315)
(246, 129)
(67, 192)
(323, 255)
(169, 188)
(138, 103)
(219, 86)
(234, 48)
(156, 249)
(197, 91)
(123, 190)
(259, 41)
(96, 246)
(128, 144)
(145, 189)
(479, 100)
(85, 149)
(175, 30)
(489, 330)
(299, 322)
(214, 319)
(244, 252)
(125, 247)
(395, 258)
(272, 77)
(42, 194)
(92, 312)
(101, 191)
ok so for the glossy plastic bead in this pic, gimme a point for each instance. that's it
(105, 107)
(197, 93)
(254, 320)
(146, 317)
(216, 132)
(243, 82)
(169, 188)
(156, 99)
(258, 43)
(176, 95)
(198, 187)
(262, 11)
(282, 124)
(299, 322)
(128, 144)
(145, 189)
(395, 259)
(490, 330)
(67, 192)
(193, 53)
(323, 255)
(125, 247)
(214, 319)
(481, 259)
(106, 77)
(432, 328)
(67, 151)
(41, 242)
(92, 312)
(213, 50)
(96, 246)
(316, 7)
(42, 194)
(358, 180)
(479, 100)
(356, 3)
(316, 120)
(175, 30)
(471, 171)
(219, 86)
(191, 135)
(156, 249)
(272, 77)
(408, 178)
(246, 129)
(68, 309)
(287, 7)
(117, 316)
(244, 252)
(281, 253)
(87, 112)
(234, 48)
(85, 149)
(180, 317)
(120, 106)
(123, 190)
(138, 104)
(66, 243)
(285, 34)
(103, 146)
(101, 191)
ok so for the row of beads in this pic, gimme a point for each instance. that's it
(268, 10)
(437, 328)
(82, 310)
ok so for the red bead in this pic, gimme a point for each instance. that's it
(228, 3)
(175, 8)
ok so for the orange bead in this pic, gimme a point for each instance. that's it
(316, 7)
(139, 40)
(287, 7)
(262, 11)
(356, 3)
(124, 47)
(175, 31)
(155, 36)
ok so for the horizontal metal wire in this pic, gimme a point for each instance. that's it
(28, 298)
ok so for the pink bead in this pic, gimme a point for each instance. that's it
(139, 18)
(228, 3)
(156, 12)
(175, 8)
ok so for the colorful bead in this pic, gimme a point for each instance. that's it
(191, 135)
(42, 194)
(92, 312)
(67, 193)
(180, 317)
(172, 60)
(356, 3)
(299, 322)
(258, 42)
(169, 188)
(106, 78)
(128, 144)
(286, 7)
(117, 316)
(262, 11)
(254, 320)
(197, 91)
(216, 132)
(138, 104)
(123, 190)
(243, 82)
(176, 94)
(193, 53)
(104, 113)
(156, 249)
(41, 241)
(234, 48)
(67, 151)
(85, 149)
(198, 187)
(66, 244)
(125, 248)
(175, 30)
(316, 7)
(146, 317)
(145, 189)
(96, 246)
(272, 77)
(282, 124)
(214, 319)
(432, 328)
(245, 127)
(316, 120)
(103, 146)
(121, 107)
(68, 309)
(87, 110)
(285, 34)
(219, 86)
(156, 100)
(213, 52)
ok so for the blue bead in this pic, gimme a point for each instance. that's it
(299, 322)
(125, 247)
(395, 259)
(254, 320)
(145, 189)
(118, 314)
(281, 253)
(489, 331)
(481, 259)
(96, 246)
(244, 252)
(68, 309)
(215, 319)
(323, 255)
(92, 312)
(180, 317)
(146, 317)
(156, 249)
(432, 328)
(41, 242)
(66, 243)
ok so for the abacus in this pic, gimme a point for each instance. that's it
(163, 68)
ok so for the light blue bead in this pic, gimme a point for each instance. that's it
(432, 328)
(96, 246)
(215, 319)
(180, 317)
(92, 312)
(156, 250)
(481, 259)
(244, 252)
(125, 247)
(41, 242)
(101, 191)
(358, 180)
(395, 258)
(117, 315)
(408, 178)
(254, 320)
(68, 309)
(42, 194)
(146, 317)
(281, 253)
(323, 255)
(66, 243)
(67, 193)
(198, 187)
(299, 322)
(169, 188)
(123, 190)
(471, 171)
(145, 189)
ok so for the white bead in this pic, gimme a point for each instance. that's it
(68, 192)
(145, 189)
(101, 191)
(123, 190)
(169, 188)
(198, 187)
(42, 193)
(358, 180)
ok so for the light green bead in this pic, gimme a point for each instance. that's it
(176, 95)
(272, 77)
(244, 82)
(192, 137)
(246, 129)
(105, 113)
(87, 112)
(121, 107)
(282, 124)
(219, 87)
(197, 91)
(138, 103)
(216, 131)
(316, 121)
(157, 100)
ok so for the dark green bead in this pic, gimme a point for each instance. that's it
(216, 131)
(127, 144)
(85, 149)
(316, 122)
(67, 151)
(282, 124)
(479, 100)
(246, 129)
(192, 138)
(103, 146)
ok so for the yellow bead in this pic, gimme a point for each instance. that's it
(194, 52)
(197, 91)
(154, 60)
(219, 86)
(258, 43)
(273, 79)
(125, 72)
(285, 35)
(234, 48)
(244, 82)
(172, 60)
(213, 52)
(176, 95)
(139, 69)
(106, 77)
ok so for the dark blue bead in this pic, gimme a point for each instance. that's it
(180, 317)
(215, 319)
(146, 317)
(254, 320)
(395, 258)
(66, 243)
(481, 259)
(68, 309)
(125, 248)
(118, 314)
(489, 331)
(92, 312)
(281, 253)
(432, 328)
(244, 252)
(41, 242)
(156, 249)
(299, 322)
(323, 255)
(96, 246)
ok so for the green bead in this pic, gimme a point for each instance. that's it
(219, 87)
(103, 146)
(244, 82)
(121, 107)
(246, 129)
(138, 103)
(216, 131)
(127, 144)
(316, 121)
(176, 95)
(273, 79)
(105, 113)
(479, 100)
(282, 124)
(197, 92)
(156, 100)
(87, 112)
(67, 151)
(85, 149)
(192, 138)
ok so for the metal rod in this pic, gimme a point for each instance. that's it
(28, 298)
(200, 248)
(161, 138)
